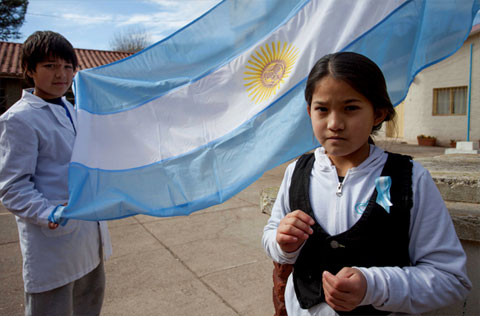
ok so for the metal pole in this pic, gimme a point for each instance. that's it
(469, 93)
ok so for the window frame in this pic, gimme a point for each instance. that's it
(451, 103)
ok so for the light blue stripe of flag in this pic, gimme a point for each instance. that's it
(416, 35)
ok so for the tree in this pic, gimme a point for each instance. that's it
(130, 40)
(12, 16)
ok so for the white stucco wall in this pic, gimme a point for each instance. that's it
(451, 72)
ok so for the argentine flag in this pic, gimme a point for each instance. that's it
(192, 120)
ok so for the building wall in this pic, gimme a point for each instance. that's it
(395, 128)
(14, 91)
(451, 72)
(12, 88)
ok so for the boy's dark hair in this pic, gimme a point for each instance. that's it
(361, 73)
(45, 44)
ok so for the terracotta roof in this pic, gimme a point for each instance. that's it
(10, 58)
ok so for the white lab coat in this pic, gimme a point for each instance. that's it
(36, 142)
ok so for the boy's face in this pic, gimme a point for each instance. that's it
(52, 78)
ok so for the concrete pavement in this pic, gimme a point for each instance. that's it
(209, 263)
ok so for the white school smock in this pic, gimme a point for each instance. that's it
(437, 277)
(36, 142)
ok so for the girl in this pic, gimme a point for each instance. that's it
(367, 231)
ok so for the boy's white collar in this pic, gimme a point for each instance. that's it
(36, 102)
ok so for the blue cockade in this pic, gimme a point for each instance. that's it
(383, 184)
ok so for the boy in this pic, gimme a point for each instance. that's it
(62, 265)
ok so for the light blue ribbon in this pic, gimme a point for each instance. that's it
(383, 184)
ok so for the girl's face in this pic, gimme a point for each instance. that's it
(342, 120)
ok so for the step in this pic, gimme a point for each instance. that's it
(457, 176)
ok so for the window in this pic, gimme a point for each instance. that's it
(450, 101)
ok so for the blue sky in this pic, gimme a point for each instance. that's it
(92, 24)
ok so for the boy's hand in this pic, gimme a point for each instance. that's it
(52, 225)
(344, 291)
(293, 230)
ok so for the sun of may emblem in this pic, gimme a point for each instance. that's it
(267, 68)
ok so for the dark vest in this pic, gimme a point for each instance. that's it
(377, 239)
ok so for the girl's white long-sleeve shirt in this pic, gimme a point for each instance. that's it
(437, 277)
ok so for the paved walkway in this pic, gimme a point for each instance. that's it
(208, 263)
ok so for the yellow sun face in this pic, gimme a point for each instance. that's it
(267, 68)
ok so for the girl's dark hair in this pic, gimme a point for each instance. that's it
(361, 73)
(45, 44)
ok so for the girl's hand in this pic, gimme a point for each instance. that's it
(344, 291)
(293, 230)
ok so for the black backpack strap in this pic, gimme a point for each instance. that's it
(300, 184)
(400, 167)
